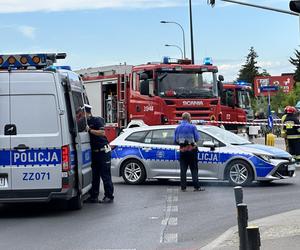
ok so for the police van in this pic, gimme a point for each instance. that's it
(45, 150)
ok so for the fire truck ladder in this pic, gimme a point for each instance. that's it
(122, 101)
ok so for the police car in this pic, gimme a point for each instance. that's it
(149, 153)
(44, 153)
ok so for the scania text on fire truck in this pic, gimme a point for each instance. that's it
(155, 94)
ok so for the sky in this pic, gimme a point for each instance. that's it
(97, 33)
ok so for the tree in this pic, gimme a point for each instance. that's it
(249, 70)
(296, 63)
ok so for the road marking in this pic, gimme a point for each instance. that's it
(170, 207)
(169, 238)
(172, 221)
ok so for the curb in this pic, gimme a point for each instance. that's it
(288, 222)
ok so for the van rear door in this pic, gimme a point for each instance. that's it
(5, 131)
(36, 146)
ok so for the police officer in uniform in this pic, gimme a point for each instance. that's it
(101, 158)
(186, 136)
(291, 127)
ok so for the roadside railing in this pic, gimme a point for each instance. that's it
(249, 236)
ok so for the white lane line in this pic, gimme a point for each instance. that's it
(168, 220)
(169, 238)
(172, 221)
(171, 209)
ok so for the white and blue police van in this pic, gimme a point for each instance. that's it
(45, 151)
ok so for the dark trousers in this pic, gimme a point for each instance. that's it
(189, 159)
(101, 164)
(294, 148)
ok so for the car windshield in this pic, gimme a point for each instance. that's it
(226, 136)
(187, 84)
(244, 99)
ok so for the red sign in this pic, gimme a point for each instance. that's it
(285, 83)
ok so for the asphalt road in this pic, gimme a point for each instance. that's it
(151, 216)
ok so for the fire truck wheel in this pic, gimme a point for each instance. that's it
(239, 173)
(133, 172)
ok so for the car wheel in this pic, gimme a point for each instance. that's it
(239, 173)
(133, 172)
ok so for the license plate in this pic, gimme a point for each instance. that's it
(291, 168)
(3, 182)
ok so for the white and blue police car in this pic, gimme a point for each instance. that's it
(45, 152)
(149, 153)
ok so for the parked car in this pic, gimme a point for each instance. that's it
(150, 153)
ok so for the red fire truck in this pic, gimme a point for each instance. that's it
(155, 93)
(236, 104)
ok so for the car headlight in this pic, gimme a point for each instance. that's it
(266, 158)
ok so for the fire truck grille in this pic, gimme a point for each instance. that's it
(196, 113)
(186, 109)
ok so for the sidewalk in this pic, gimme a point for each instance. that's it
(277, 232)
(281, 231)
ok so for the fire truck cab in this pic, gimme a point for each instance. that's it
(155, 94)
(236, 104)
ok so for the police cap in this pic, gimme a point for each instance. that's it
(88, 108)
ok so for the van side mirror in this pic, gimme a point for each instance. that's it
(144, 76)
(209, 144)
(231, 102)
(144, 87)
(221, 78)
(295, 6)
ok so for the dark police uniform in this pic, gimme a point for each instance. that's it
(101, 160)
(292, 131)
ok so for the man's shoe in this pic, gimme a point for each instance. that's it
(107, 200)
(199, 189)
(183, 189)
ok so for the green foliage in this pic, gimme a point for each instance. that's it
(296, 63)
(249, 70)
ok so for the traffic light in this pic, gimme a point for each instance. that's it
(295, 6)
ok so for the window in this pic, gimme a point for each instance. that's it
(161, 136)
(137, 136)
(80, 116)
(35, 114)
(205, 137)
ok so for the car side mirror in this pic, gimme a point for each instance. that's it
(209, 144)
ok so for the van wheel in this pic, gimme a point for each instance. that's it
(76, 203)
(239, 173)
(133, 172)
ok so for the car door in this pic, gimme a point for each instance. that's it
(159, 150)
(208, 159)
(6, 129)
(36, 143)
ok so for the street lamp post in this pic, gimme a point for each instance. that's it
(183, 34)
(191, 28)
(173, 45)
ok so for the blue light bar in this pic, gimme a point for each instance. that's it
(166, 60)
(65, 67)
(23, 61)
(242, 83)
(207, 61)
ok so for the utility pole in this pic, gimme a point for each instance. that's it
(191, 30)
